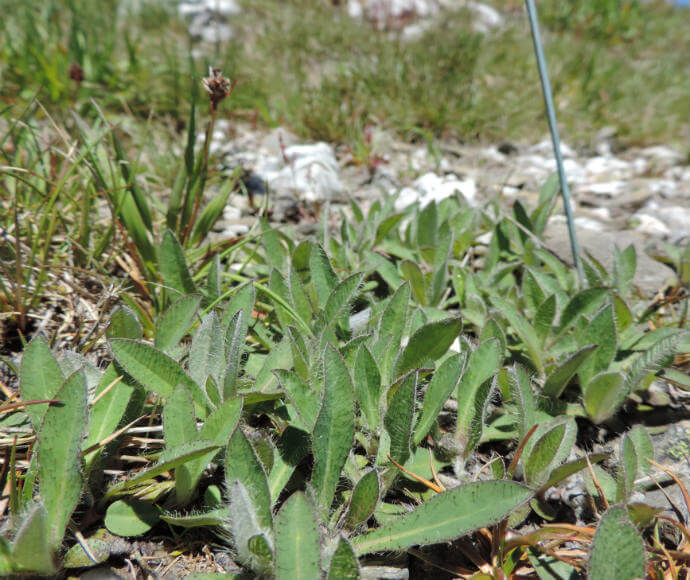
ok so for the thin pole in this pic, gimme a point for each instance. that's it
(555, 139)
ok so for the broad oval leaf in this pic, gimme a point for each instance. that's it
(618, 550)
(40, 378)
(131, 517)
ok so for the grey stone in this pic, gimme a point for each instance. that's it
(651, 275)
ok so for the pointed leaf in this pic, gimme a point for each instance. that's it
(441, 387)
(447, 516)
(175, 322)
(124, 324)
(173, 265)
(334, 430)
(40, 378)
(344, 565)
(322, 275)
(31, 550)
(368, 386)
(242, 465)
(558, 380)
(59, 450)
(429, 342)
(603, 395)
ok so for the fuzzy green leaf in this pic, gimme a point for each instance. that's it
(59, 449)
(131, 517)
(207, 353)
(322, 275)
(558, 380)
(399, 417)
(368, 386)
(447, 516)
(441, 387)
(344, 565)
(175, 322)
(124, 324)
(603, 395)
(298, 544)
(153, 369)
(618, 551)
(334, 429)
(365, 496)
(40, 378)
(173, 265)
(31, 549)
(242, 465)
(429, 342)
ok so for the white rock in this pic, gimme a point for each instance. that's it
(545, 147)
(603, 213)
(675, 217)
(648, 224)
(311, 172)
(432, 187)
(607, 188)
(611, 167)
(231, 212)
(485, 17)
(581, 222)
(663, 153)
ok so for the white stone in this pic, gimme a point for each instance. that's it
(581, 222)
(675, 217)
(663, 153)
(311, 172)
(603, 213)
(432, 187)
(607, 188)
(611, 167)
(545, 147)
(231, 212)
(485, 17)
(648, 224)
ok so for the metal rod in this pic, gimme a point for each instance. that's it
(555, 139)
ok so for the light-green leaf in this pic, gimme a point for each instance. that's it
(368, 386)
(558, 380)
(603, 395)
(429, 342)
(124, 324)
(297, 540)
(40, 378)
(334, 429)
(173, 265)
(131, 517)
(441, 387)
(175, 321)
(59, 449)
(447, 516)
(618, 551)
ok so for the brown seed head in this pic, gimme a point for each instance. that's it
(76, 72)
(217, 86)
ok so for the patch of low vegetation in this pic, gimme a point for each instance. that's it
(407, 379)
(416, 380)
(308, 65)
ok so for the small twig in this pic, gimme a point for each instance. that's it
(596, 483)
(430, 484)
(105, 391)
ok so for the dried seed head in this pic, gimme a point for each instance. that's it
(76, 72)
(217, 86)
